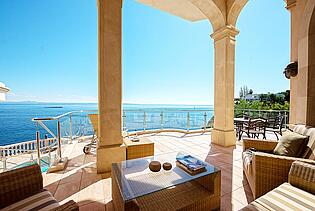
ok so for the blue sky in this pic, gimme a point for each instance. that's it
(48, 52)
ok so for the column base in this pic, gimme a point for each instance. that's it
(106, 155)
(223, 138)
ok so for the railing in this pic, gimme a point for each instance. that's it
(63, 132)
(52, 133)
(23, 148)
(165, 119)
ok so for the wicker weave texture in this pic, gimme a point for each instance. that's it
(197, 195)
(259, 145)
(19, 184)
(140, 150)
(266, 171)
(269, 171)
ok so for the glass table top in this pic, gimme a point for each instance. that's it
(135, 179)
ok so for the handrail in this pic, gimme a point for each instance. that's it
(161, 119)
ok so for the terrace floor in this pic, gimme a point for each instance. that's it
(93, 191)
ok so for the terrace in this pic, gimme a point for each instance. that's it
(81, 183)
(87, 178)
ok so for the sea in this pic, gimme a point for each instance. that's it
(16, 123)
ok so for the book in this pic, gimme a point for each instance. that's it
(178, 164)
(190, 164)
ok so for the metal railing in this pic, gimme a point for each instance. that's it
(164, 119)
(53, 132)
(27, 147)
(67, 137)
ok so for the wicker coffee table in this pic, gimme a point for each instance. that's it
(135, 187)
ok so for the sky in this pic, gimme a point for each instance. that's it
(48, 52)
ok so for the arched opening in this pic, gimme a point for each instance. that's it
(262, 50)
(310, 116)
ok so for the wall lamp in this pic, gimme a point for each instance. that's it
(291, 70)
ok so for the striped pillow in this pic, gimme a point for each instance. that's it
(41, 201)
(287, 197)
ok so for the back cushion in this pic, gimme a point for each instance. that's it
(310, 132)
(291, 144)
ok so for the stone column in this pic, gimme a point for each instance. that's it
(110, 147)
(295, 95)
(224, 45)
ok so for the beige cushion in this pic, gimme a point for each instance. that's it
(284, 197)
(309, 152)
(291, 144)
(302, 175)
(42, 201)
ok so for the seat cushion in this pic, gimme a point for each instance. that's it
(40, 201)
(291, 144)
(284, 197)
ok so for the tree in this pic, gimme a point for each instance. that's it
(287, 95)
(250, 91)
(241, 93)
(244, 91)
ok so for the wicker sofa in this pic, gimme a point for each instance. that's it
(296, 194)
(22, 189)
(264, 170)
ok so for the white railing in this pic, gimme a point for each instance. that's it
(27, 147)
(73, 125)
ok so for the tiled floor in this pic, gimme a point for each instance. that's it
(93, 192)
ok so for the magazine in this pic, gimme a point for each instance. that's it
(191, 163)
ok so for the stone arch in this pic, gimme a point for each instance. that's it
(212, 11)
(234, 10)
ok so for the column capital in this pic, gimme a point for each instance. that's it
(223, 32)
(290, 4)
(98, 2)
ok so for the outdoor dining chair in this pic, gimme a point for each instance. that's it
(255, 127)
(277, 126)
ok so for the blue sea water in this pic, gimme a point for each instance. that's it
(16, 118)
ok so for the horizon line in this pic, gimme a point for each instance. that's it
(41, 102)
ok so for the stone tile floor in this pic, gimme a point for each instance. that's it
(92, 191)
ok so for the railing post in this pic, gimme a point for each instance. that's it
(144, 120)
(38, 147)
(70, 127)
(205, 120)
(124, 121)
(188, 121)
(59, 138)
(3, 158)
(162, 120)
(32, 158)
(4, 164)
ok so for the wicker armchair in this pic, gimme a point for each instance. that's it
(23, 185)
(295, 194)
(264, 170)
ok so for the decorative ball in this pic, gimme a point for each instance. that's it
(155, 166)
(167, 166)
